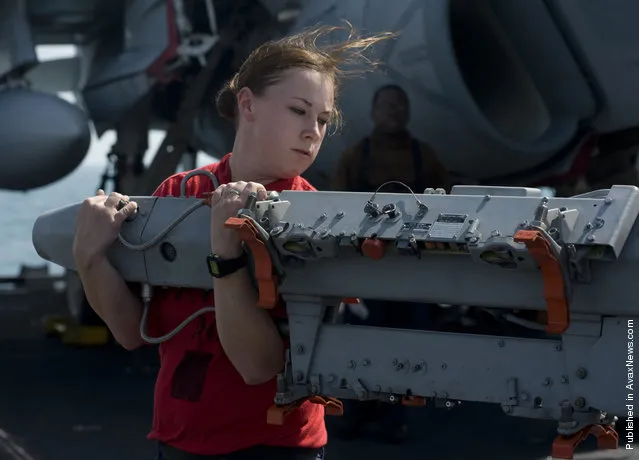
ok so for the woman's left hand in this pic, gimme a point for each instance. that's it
(226, 201)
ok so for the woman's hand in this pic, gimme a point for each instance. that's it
(226, 201)
(98, 224)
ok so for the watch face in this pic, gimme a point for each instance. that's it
(221, 267)
(214, 267)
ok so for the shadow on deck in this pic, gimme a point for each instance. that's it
(59, 403)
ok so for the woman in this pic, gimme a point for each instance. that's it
(217, 376)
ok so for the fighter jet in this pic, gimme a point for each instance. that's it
(536, 92)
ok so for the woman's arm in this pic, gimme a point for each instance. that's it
(113, 301)
(247, 332)
(97, 225)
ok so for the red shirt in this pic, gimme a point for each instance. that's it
(202, 404)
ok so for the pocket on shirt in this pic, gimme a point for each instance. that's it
(189, 376)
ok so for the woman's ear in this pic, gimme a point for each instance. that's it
(246, 104)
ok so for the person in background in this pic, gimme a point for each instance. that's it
(390, 153)
(218, 375)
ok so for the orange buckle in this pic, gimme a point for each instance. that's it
(414, 401)
(564, 446)
(350, 300)
(276, 414)
(373, 248)
(266, 280)
(558, 312)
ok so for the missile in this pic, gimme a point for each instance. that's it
(464, 244)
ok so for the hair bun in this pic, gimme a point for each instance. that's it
(226, 103)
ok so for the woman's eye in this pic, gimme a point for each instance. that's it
(302, 112)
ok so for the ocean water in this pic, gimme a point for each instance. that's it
(19, 210)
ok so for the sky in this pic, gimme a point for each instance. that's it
(97, 155)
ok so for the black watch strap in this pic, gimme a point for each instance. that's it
(220, 267)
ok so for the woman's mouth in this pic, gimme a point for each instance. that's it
(303, 152)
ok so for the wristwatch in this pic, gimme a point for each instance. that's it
(220, 267)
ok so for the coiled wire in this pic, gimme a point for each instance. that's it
(147, 291)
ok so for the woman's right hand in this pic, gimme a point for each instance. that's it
(97, 226)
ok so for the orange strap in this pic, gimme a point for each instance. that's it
(276, 414)
(266, 280)
(554, 286)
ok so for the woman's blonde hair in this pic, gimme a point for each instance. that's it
(264, 66)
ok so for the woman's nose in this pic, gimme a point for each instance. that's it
(312, 132)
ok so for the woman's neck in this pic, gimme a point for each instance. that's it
(243, 168)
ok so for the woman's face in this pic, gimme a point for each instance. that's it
(288, 121)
